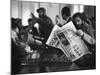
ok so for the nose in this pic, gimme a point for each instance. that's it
(77, 23)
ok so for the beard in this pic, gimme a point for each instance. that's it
(78, 26)
(41, 16)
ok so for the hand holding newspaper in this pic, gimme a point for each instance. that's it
(66, 39)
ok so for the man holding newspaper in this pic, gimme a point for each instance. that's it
(75, 38)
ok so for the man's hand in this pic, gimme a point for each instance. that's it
(33, 16)
(86, 37)
(79, 33)
(28, 49)
(58, 20)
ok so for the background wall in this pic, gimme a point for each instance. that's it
(90, 11)
(22, 9)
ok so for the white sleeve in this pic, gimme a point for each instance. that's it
(89, 39)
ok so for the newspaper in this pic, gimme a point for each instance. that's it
(65, 39)
(53, 40)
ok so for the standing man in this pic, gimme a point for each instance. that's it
(45, 23)
(65, 12)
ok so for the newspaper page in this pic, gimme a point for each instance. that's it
(73, 45)
(53, 40)
(65, 39)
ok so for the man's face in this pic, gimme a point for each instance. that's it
(41, 13)
(78, 22)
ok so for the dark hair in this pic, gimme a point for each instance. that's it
(83, 17)
(18, 20)
(30, 19)
(41, 9)
(65, 11)
(13, 23)
(79, 15)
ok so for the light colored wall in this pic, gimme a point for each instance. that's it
(90, 11)
(22, 9)
(25, 12)
(14, 8)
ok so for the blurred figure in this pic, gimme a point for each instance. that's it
(19, 44)
(17, 51)
(85, 31)
(87, 20)
(65, 12)
(66, 16)
(33, 39)
(33, 29)
(45, 23)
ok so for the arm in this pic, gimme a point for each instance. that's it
(86, 37)
(89, 39)
(28, 28)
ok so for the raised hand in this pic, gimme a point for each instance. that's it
(33, 16)
(79, 33)
(57, 19)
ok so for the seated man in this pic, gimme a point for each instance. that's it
(19, 45)
(45, 23)
(85, 31)
(17, 52)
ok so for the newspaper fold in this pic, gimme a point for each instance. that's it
(66, 39)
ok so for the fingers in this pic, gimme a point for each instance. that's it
(79, 32)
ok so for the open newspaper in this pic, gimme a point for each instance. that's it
(65, 39)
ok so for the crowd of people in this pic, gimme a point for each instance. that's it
(28, 40)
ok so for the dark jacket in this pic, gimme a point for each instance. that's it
(45, 26)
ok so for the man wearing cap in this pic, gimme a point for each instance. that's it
(45, 23)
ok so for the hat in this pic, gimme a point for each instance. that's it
(41, 9)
